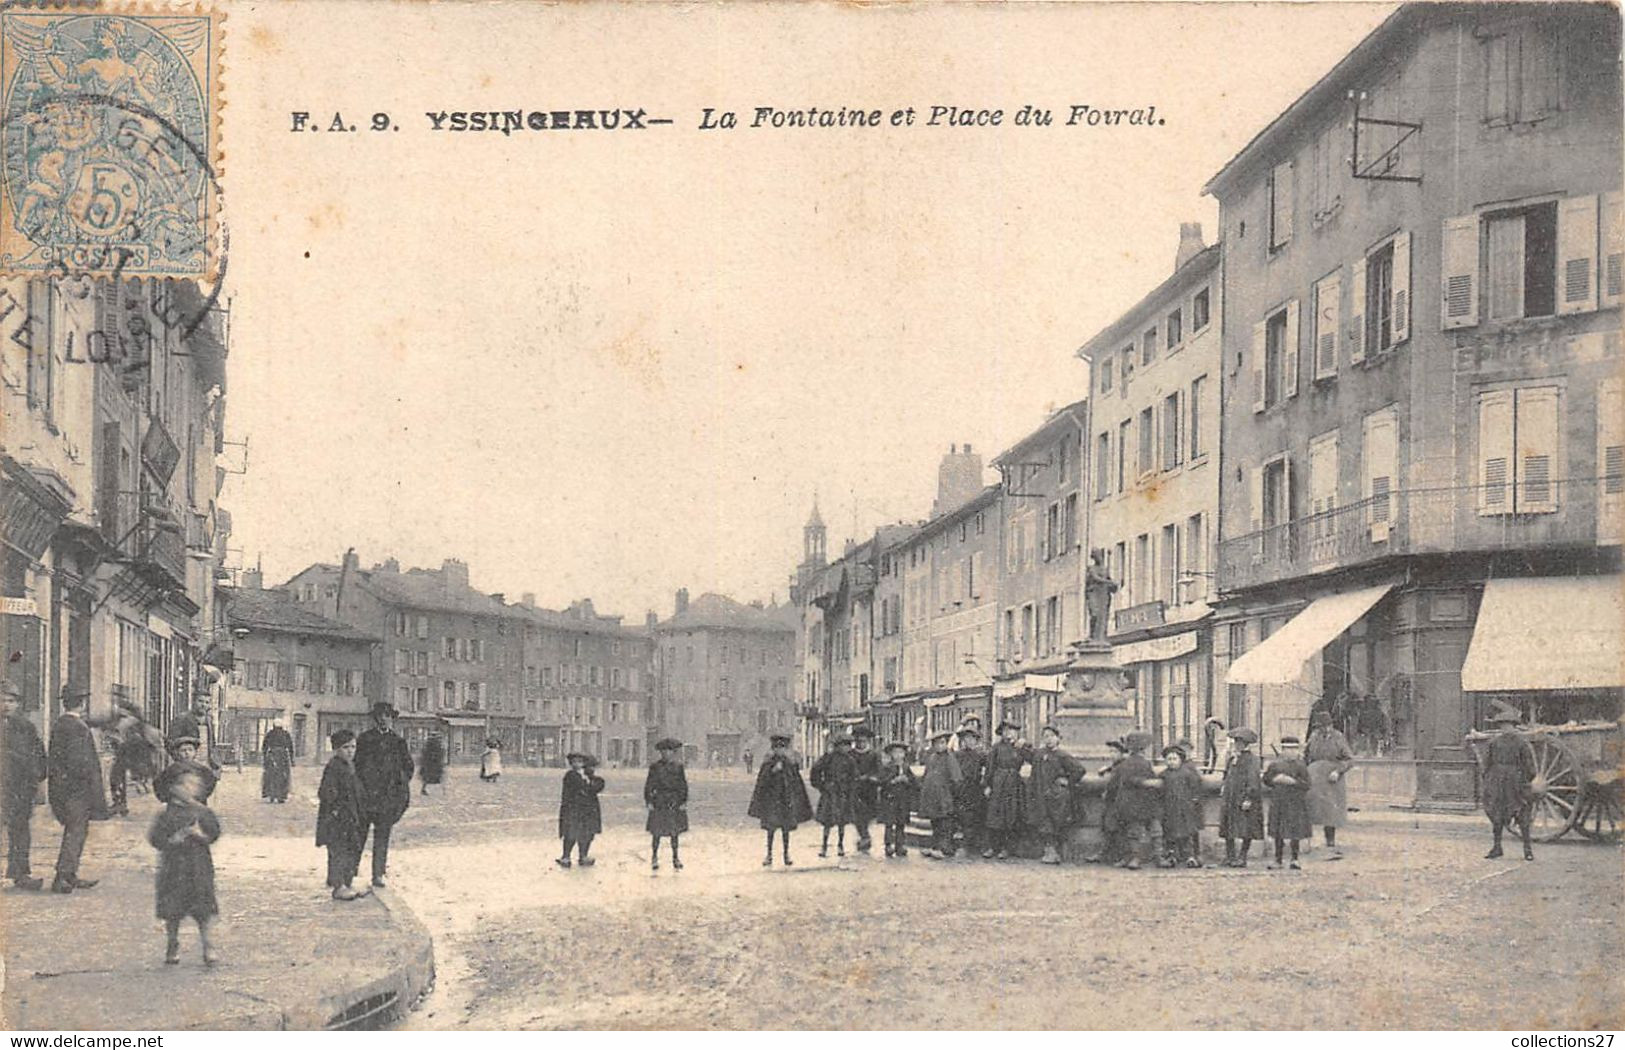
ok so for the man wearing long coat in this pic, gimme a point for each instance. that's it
(25, 768)
(1004, 790)
(1049, 793)
(866, 789)
(276, 760)
(383, 764)
(835, 776)
(969, 802)
(77, 793)
(1330, 758)
(1241, 812)
(939, 795)
(1508, 771)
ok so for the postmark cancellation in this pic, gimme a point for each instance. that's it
(108, 142)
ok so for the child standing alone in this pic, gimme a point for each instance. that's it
(181, 833)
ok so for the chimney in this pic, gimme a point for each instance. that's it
(500, 598)
(1190, 243)
(682, 600)
(388, 565)
(454, 574)
(651, 620)
(528, 600)
(959, 479)
(352, 560)
(253, 580)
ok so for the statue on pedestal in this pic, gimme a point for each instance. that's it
(1098, 588)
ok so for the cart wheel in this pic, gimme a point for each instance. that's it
(1555, 791)
(1602, 811)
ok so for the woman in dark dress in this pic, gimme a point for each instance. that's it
(276, 760)
(432, 763)
(780, 800)
(580, 817)
(182, 834)
(1005, 793)
(665, 794)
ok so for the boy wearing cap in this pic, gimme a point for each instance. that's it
(939, 795)
(1049, 797)
(580, 817)
(183, 751)
(898, 790)
(1005, 792)
(665, 796)
(780, 800)
(340, 823)
(1509, 767)
(1181, 809)
(1136, 798)
(866, 784)
(835, 775)
(969, 800)
(383, 764)
(1242, 811)
(1287, 777)
(1111, 828)
(182, 833)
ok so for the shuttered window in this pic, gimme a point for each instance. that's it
(1611, 226)
(1328, 322)
(1523, 72)
(1610, 463)
(1459, 279)
(1518, 452)
(1577, 255)
(1380, 456)
(1281, 206)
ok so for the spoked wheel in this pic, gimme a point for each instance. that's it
(1555, 790)
(1602, 810)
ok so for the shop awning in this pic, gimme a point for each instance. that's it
(462, 720)
(1047, 683)
(1152, 649)
(1007, 687)
(1279, 659)
(939, 701)
(1547, 633)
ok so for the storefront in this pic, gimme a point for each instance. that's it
(1172, 684)
(1028, 700)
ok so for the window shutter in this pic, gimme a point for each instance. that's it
(1610, 463)
(1401, 311)
(1535, 485)
(1577, 255)
(1495, 452)
(1459, 279)
(1507, 244)
(1613, 249)
(1356, 328)
(1281, 205)
(1259, 336)
(1255, 507)
(1289, 353)
(1328, 314)
(1381, 468)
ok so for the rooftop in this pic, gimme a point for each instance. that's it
(277, 611)
(1127, 325)
(718, 611)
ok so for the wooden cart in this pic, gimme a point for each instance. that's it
(1577, 783)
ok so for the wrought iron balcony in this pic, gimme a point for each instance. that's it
(149, 533)
(1576, 512)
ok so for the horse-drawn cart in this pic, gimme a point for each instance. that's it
(1578, 783)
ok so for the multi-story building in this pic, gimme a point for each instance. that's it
(113, 400)
(1421, 436)
(314, 674)
(1154, 485)
(1044, 503)
(588, 684)
(451, 655)
(724, 674)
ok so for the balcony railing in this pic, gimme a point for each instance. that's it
(138, 528)
(1563, 513)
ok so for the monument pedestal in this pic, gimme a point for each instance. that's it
(1098, 704)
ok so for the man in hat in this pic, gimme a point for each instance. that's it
(1509, 769)
(1133, 781)
(1330, 758)
(24, 770)
(276, 764)
(939, 795)
(835, 775)
(1111, 827)
(75, 787)
(665, 796)
(1241, 815)
(580, 816)
(383, 764)
(1050, 809)
(899, 788)
(780, 800)
(969, 801)
(1287, 778)
(341, 825)
(866, 788)
(1005, 794)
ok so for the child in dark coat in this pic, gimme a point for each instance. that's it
(780, 800)
(665, 795)
(1181, 809)
(181, 834)
(1287, 777)
(183, 758)
(899, 787)
(580, 817)
(1242, 814)
(1135, 797)
(835, 775)
(339, 824)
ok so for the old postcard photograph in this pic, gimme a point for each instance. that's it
(922, 517)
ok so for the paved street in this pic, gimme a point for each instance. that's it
(1402, 933)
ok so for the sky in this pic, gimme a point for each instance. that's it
(610, 364)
